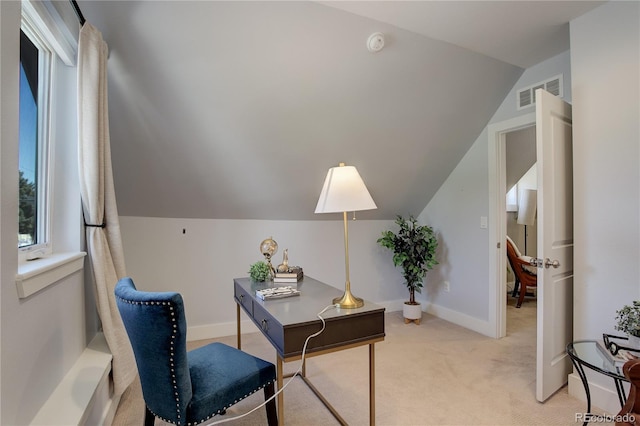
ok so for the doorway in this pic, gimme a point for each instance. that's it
(521, 201)
(521, 227)
(498, 216)
(554, 235)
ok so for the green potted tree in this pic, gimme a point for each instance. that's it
(414, 250)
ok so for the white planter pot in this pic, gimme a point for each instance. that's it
(412, 312)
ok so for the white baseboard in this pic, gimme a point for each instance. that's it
(602, 397)
(392, 305)
(455, 317)
(212, 331)
(458, 318)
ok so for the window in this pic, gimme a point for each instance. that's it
(50, 228)
(35, 83)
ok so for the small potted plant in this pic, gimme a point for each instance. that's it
(260, 271)
(414, 250)
(628, 321)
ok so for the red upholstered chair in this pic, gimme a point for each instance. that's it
(630, 413)
(525, 273)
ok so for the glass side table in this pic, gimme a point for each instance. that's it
(585, 353)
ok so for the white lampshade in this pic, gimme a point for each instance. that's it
(527, 206)
(344, 191)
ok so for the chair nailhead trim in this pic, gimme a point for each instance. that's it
(171, 351)
(230, 405)
(173, 375)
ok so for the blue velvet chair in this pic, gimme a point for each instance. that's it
(180, 387)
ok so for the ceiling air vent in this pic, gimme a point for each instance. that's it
(527, 95)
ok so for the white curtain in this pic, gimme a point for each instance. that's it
(104, 243)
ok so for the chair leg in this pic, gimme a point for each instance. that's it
(149, 418)
(272, 414)
(523, 292)
(514, 293)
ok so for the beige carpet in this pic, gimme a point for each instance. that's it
(435, 373)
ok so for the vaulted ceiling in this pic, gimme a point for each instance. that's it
(236, 110)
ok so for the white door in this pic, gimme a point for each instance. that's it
(555, 242)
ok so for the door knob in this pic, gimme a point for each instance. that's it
(548, 263)
(536, 262)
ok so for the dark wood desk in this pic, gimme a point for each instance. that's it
(287, 322)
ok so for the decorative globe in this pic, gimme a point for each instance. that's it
(268, 247)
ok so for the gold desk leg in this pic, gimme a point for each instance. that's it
(280, 394)
(372, 385)
(238, 325)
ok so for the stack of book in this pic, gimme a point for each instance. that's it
(293, 275)
(276, 293)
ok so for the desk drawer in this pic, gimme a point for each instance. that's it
(339, 331)
(287, 323)
(244, 298)
(269, 326)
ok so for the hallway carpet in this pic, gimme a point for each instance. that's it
(435, 373)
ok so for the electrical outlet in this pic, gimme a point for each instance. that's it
(446, 286)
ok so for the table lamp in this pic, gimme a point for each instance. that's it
(343, 191)
(527, 206)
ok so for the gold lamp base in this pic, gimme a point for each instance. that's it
(348, 301)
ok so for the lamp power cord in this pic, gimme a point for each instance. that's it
(297, 373)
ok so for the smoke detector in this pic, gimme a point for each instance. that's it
(375, 42)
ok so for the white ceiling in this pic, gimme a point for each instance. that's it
(521, 33)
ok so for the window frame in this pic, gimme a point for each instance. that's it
(47, 59)
(63, 256)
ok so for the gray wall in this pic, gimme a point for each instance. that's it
(160, 257)
(202, 262)
(520, 153)
(455, 212)
(605, 49)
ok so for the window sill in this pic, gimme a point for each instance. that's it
(37, 274)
